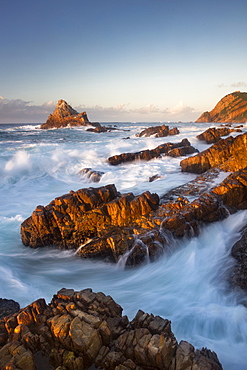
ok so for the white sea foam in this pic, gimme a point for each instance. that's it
(189, 286)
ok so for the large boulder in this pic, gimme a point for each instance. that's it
(169, 149)
(231, 108)
(82, 330)
(228, 154)
(65, 116)
(158, 131)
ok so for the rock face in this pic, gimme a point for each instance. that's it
(82, 330)
(239, 251)
(232, 108)
(64, 115)
(213, 135)
(7, 307)
(229, 154)
(158, 131)
(101, 223)
(169, 149)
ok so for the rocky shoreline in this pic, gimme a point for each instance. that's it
(82, 330)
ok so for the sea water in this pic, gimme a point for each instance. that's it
(188, 287)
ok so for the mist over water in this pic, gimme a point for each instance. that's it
(188, 286)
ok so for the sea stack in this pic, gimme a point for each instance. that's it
(232, 109)
(64, 116)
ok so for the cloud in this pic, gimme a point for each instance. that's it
(239, 84)
(18, 110)
(222, 85)
(180, 109)
(235, 85)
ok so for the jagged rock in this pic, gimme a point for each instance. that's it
(79, 330)
(7, 307)
(91, 175)
(239, 252)
(228, 154)
(101, 223)
(65, 116)
(213, 135)
(169, 149)
(158, 131)
(231, 108)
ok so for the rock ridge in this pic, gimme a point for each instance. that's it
(84, 329)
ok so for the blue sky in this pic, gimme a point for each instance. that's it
(120, 60)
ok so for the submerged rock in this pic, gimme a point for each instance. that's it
(228, 154)
(82, 330)
(65, 116)
(213, 134)
(158, 131)
(168, 149)
(231, 108)
(92, 175)
(239, 252)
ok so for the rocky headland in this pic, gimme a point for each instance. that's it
(86, 330)
(231, 109)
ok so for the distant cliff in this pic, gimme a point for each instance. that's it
(232, 108)
(64, 115)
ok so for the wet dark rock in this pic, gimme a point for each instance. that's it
(91, 175)
(8, 307)
(169, 149)
(158, 131)
(228, 154)
(239, 252)
(154, 177)
(82, 330)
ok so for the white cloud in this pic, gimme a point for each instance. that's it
(180, 109)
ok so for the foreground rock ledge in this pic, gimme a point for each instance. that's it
(80, 329)
(102, 223)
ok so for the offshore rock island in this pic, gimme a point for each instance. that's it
(65, 116)
(230, 109)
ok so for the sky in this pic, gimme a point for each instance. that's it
(120, 60)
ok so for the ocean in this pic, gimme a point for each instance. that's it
(188, 287)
